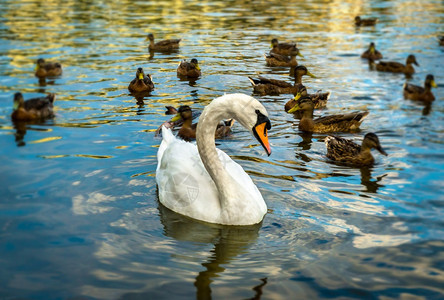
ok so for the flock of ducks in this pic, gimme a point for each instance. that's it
(219, 200)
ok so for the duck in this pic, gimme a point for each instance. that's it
(396, 67)
(142, 82)
(348, 152)
(319, 99)
(372, 53)
(266, 86)
(188, 130)
(45, 69)
(202, 182)
(189, 69)
(418, 93)
(365, 22)
(278, 60)
(441, 40)
(282, 48)
(32, 109)
(343, 122)
(165, 45)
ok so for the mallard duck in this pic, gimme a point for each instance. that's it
(204, 183)
(365, 22)
(188, 130)
(319, 99)
(165, 45)
(396, 67)
(266, 86)
(32, 109)
(282, 48)
(415, 92)
(142, 82)
(278, 60)
(347, 152)
(189, 69)
(45, 69)
(371, 53)
(344, 122)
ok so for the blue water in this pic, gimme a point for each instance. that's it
(79, 212)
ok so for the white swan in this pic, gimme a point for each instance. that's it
(203, 182)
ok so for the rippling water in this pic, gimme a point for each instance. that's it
(79, 213)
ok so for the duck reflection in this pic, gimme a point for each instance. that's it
(228, 241)
(372, 185)
(306, 142)
(20, 132)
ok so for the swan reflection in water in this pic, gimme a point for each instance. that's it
(228, 241)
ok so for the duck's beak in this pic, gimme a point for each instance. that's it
(300, 54)
(15, 105)
(177, 117)
(294, 108)
(379, 148)
(197, 67)
(416, 63)
(433, 83)
(310, 74)
(372, 50)
(141, 76)
(298, 95)
(261, 133)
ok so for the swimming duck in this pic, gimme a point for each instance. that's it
(396, 67)
(371, 53)
(441, 40)
(165, 45)
(419, 93)
(142, 82)
(365, 22)
(343, 122)
(204, 183)
(282, 48)
(188, 130)
(266, 86)
(189, 69)
(319, 99)
(45, 69)
(278, 60)
(32, 109)
(347, 152)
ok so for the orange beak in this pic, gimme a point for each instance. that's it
(261, 134)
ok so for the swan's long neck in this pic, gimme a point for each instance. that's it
(205, 141)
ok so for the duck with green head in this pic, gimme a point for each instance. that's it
(396, 67)
(189, 68)
(371, 53)
(142, 82)
(45, 69)
(165, 45)
(278, 60)
(347, 152)
(266, 86)
(282, 48)
(342, 122)
(419, 93)
(32, 109)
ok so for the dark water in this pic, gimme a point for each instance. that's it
(79, 214)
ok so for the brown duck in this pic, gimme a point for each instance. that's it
(189, 69)
(188, 130)
(278, 60)
(347, 152)
(371, 53)
(282, 48)
(165, 45)
(45, 69)
(419, 93)
(343, 122)
(32, 109)
(265, 86)
(396, 67)
(365, 21)
(319, 99)
(142, 82)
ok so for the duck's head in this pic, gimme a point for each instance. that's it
(150, 37)
(274, 43)
(304, 104)
(357, 19)
(40, 63)
(195, 63)
(140, 74)
(301, 93)
(302, 70)
(372, 48)
(430, 81)
(370, 141)
(411, 59)
(18, 100)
